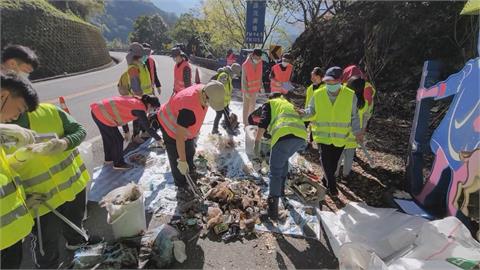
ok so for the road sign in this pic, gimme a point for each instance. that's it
(275, 52)
(255, 21)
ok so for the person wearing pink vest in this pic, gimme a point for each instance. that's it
(182, 73)
(180, 120)
(114, 112)
(251, 82)
(280, 74)
(152, 69)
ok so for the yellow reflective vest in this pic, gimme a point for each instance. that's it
(284, 120)
(331, 123)
(228, 87)
(15, 220)
(60, 177)
(144, 77)
(364, 115)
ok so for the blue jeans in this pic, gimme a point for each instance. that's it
(281, 152)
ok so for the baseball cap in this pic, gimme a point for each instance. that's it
(257, 52)
(333, 74)
(216, 94)
(176, 52)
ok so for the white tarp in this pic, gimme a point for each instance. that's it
(156, 180)
(364, 237)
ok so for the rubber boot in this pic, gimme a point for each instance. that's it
(272, 208)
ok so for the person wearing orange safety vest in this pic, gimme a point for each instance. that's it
(281, 73)
(16, 222)
(182, 71)
(111, 113)
(152, 69)
(231, 58)
(252, 83)
(180, 120)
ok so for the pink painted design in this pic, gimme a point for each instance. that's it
(439, 165)
(476, 124)
(443, 88)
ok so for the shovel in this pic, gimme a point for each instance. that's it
(66, 220)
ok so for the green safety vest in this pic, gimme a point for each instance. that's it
(228, 88)
(332, 122)
(61, 176)
(15, 220)
(284, 120)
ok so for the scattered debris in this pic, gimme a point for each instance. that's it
(89, 256)
(400, 194)
(138, 159)
(160, 246)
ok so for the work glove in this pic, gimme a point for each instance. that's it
(182, 167)
(127, 136)
(34, 200)
(23, 136)
(159, 90)
(359, 137)
(52, 147)
(257, 148)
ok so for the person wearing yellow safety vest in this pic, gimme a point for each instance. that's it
(316, 78)
(334, 114)
(368, 92)
(16, 222)
(138, 82)
(289, 134)
(252, 82)
(61, 180)
(225, 76)
(357, 84)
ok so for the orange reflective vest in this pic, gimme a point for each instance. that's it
(117, 111)
(253, 75)
(151, 70)
(231, 59)
(178, 83)
(281, 76)
(188, 99)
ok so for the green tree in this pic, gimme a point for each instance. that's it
(187, 30)
(85, 9)
(150, 29)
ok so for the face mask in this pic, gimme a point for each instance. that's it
(255, 61)
(332, 88)
(144, 59)
(23, 74)
(284, 64)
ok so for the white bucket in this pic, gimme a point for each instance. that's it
(131, 222)
(250, 135)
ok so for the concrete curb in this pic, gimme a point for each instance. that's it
(112, 63)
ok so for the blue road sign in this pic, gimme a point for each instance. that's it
(255, 21)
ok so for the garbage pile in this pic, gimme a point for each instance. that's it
(157, 248)
(230, 209)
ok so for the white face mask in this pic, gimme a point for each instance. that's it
(23, 74)
(256, 61)
(284, 64)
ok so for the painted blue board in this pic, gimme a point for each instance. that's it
(255, 21)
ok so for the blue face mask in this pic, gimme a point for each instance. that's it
(332, 88)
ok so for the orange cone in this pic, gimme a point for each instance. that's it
(197, 77)
(63, 105)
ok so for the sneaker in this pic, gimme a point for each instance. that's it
(215, 131)
(92, 240)
(122, 167)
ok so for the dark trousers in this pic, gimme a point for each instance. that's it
(112, 142)
(330, 154)
(52, 229)
(171, 145)
(12, 256)
(218, 117)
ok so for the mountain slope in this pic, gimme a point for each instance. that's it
(119, 16)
